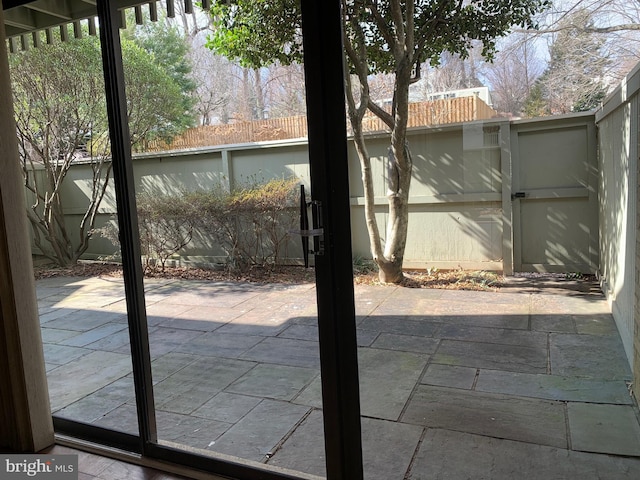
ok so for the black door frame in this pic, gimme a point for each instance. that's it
(322, 37)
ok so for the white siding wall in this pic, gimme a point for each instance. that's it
(617, 125)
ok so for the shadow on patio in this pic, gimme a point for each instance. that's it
(529, 381)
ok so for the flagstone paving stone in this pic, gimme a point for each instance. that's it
(449, 376)
(387, 379)
(400, 325)
(285, 351)
(278, 382)
(528, 420)
(450, 455)
(90, 372)
(406, 343)
(553, 387)
(597, 356)
(56, 335)
(257, 434)
(515, 358)
(227, 407)
(94, 335)
(216, 344)
(503, 336)
(453, 384)
(387, 448)
(604, 428)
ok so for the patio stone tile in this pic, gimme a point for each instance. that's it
(84, 376)
(305, 320)
(365, 338)
(406, 343)
(567, 305)
(252, 324)
(596, 356)
(515, 358)
(227, 407)
(198, 382)
(208, 296)
(278, 382)
(122, 419)
(166, 365)
(281, 304)
(285, 351)
(610, 429)
(503, 336)
(516, 321)
(96, 300)
(257, 434)
(449, 376)
(187, 324)
(386, 380)
(164, 340)
(54, 314)
(553, 387)
(188, 430)
(560, 323)
(93, 335)
(401, 324)
(217, 316)
(165, 308)
(61, 354)
(83, 320)
(304, 450)
(172, 427)
(116, 342)
(219, 344)
(311, 395)
(478, 304)
(50, 366)
(602, 324)
(56, 335)
(387, 448)
(523, 419)
(98, 404)
(310, 332)
(409, 306)
(474, 300)
(300, 332)
(190, 397)
(452, 455)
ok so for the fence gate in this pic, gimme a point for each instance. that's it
(555, 195)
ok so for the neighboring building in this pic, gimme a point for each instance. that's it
(481, 92)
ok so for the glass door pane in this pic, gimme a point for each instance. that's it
(64, 149)
(422, 343)
(231, 310)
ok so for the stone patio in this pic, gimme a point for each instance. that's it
(525, 382)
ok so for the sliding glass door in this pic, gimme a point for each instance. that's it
(229, 376)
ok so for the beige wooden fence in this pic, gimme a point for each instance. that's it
(437, 112)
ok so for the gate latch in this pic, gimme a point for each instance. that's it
(518, 195)
(316, 231)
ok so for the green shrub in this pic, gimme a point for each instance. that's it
(251, 224)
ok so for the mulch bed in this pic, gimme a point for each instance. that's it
(452, 279)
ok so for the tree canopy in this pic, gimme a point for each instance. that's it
(380, 36)
(260, 32)
(60, 110)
